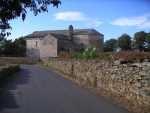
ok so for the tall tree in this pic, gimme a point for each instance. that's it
(11, 9)
(124, 42)
(139, 38)
(110, 45)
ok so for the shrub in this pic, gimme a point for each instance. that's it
(7, 71)
(89, 53)
(110, 45)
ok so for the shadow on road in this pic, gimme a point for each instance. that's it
(7, 98)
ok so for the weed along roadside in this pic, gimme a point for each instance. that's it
(11, 65)
(8, 71)
(127, 84)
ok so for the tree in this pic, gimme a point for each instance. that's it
(13, 48)
(2, 42)
(139, 38)
(8, 48)
(147, 40)
(11, 9)
(19, 47)
(110, 45)
(124, 42)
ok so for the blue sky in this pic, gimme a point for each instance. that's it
(110, 17)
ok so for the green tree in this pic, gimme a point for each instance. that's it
(139, 38)
(19, 47)
(13, 48)
(147, 40)
(8, 48)
(11, 9)
(110, 45)
(124, 42)
(2, 42)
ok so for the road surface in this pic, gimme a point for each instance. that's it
(39, 90)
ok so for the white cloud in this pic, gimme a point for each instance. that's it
(77, 16)
(69, 16)
(139, 22)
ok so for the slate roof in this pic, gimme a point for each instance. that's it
(62, 34)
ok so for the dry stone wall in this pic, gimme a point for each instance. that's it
(129, 82)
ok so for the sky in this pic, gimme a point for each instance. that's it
(110, 17)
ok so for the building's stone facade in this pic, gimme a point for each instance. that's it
(129, 83)
(41, 48)
(44, 44)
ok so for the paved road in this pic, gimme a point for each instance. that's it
(38, 90)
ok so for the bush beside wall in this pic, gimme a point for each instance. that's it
(130, 83)
(7, 71)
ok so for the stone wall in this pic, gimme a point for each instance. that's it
(89, 40)
(32, 48)
(41, 48)
(48, 47)
(130, 83)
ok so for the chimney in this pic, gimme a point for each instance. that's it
(71, 32)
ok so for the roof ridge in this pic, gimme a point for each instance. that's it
(64, 30)
(64, 33)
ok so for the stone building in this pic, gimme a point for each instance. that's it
(44, 44)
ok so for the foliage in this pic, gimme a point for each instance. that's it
(2, 41)
(147, 39)
(11, 9)
(13, 48)
(89, 53)
(139, 38)
(6, 73)
(9, 69)
(140, 41)
(110, 45)
(124, 42)
(20, 47)
(7, 47)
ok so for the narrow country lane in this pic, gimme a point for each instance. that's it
(39, 90)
